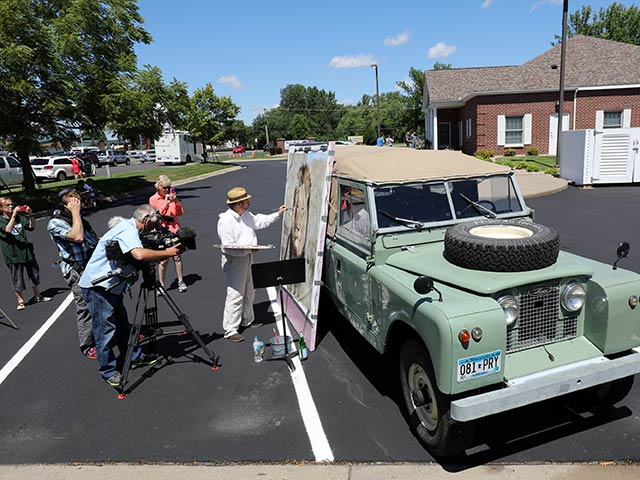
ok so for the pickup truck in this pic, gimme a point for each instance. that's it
(436, 260)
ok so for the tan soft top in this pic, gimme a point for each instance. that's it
(383, 165)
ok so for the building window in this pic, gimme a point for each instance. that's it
(612, 119)
(468, 127)
(513, 131)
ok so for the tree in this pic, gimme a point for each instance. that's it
(413, 91)
(359, 119)
(57, 60)
(299, 127)
(319, 107)
(442, 66)
(211, 117)
(616, 22)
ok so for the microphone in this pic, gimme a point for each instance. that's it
(106, 276)
(166, 218)
(187, 237)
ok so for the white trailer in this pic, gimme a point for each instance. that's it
(175, 147)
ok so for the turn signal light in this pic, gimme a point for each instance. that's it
(633, 301)
(464, 336)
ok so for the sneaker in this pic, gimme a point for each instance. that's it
(236, 337)
(182, 287)
(159, 293)
(114, 380)
(253, 325)
(91, 353)
(146, 360)
(41, 298)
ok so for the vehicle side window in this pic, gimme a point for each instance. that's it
(62, 161)
(354, 216)
(2, 164)
(13, 163)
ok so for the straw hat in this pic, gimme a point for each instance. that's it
(237, 194)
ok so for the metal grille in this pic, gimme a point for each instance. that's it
(539, 322)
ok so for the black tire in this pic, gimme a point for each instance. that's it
(478, 246)
(188, 158)
(427, 408)
(603, 397)
(61, 176)
(127, 162)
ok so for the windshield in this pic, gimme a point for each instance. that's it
(446, 201)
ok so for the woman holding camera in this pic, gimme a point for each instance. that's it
(17, 250)
(166, 202)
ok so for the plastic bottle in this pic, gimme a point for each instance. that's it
(258, 349)
(302, 348)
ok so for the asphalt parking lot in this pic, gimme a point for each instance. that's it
(55, 409)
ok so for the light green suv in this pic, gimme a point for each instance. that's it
(435, 259)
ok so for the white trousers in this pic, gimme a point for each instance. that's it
(238, 306)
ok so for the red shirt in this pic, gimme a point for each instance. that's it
(172, 209)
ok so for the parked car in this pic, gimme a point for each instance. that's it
(10, 171)
(53, 168)
(435, 259)
(238, 149)
(148, 155)
(112, 157)
(266, 147)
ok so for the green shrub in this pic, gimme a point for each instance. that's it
(509, 152)
(532, 167)
(552, 171)
(484, 154)
(533, 152)
(522, 165)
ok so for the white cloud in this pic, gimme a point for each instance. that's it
(487, 3)
(539, 3)
(347, 102)
(399, 39)
(351, 61)
(230, 80)
(442, 50)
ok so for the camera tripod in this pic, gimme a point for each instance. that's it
(150, 291)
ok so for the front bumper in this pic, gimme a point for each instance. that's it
(529, 389)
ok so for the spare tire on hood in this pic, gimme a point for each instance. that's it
(501, 245)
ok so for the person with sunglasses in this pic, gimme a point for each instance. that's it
(18, 250)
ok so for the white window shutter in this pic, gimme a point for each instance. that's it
(501, 128)
(626, 118)
(599, 119)
(527, 129)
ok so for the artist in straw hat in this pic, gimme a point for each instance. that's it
(236, 229)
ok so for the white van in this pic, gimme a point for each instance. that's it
(175, 147)
(10, 171)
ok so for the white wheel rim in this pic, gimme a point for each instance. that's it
(419, 382)
(503, 232)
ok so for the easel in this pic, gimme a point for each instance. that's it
(277, 274)
(11, 324)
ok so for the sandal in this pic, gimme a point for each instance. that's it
(21, 306)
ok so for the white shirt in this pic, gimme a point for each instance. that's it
(239, 230)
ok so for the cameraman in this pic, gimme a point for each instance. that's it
(105, 299)
(75, 240)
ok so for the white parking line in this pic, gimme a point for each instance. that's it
(315, 432)
(27, 347)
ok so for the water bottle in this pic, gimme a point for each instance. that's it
(302, 348)
(258, 349)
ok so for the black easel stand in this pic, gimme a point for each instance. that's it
(277, 274)
(11, 324)
(149, 288)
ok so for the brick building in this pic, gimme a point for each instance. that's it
(515, 107)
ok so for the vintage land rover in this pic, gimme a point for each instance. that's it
(434, 258)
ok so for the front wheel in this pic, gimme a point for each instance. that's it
(427, 408)
(61, 177)
(127, 162)
(188, 158)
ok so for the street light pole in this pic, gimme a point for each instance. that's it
(563, 52)
(266, 125)
(375, 66)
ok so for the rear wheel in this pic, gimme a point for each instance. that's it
(127, 161)
(188, 158)
(61, 176)
(427, 408)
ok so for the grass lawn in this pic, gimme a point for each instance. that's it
(43, 198)
(531, 163)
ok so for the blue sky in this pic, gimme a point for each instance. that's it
(249, 50)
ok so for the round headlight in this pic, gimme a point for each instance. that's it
(573, 297)
(510, 306)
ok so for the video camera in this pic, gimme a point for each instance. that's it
(161, 238)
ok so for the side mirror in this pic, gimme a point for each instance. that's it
(423, 285)
(622, 252)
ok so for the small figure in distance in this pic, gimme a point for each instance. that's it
(18, 250)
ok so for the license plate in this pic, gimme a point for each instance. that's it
(479, 365)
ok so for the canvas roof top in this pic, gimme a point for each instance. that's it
(383, 165)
